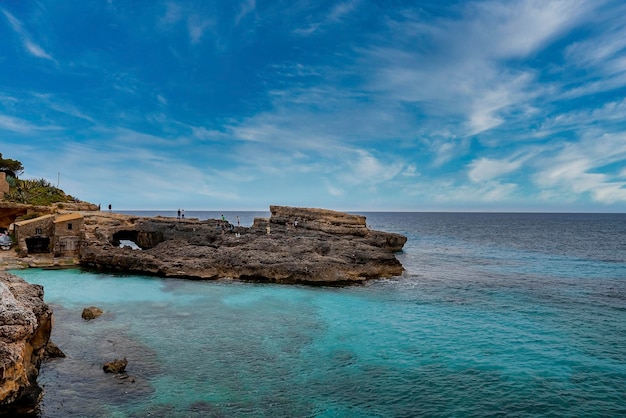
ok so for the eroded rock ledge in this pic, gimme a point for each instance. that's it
(294, 245)
(25, 326)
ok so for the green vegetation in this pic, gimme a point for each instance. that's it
(36, 192)
(13, 168)
(33, 191)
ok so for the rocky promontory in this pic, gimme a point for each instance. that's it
(25, 326)
(294, 245)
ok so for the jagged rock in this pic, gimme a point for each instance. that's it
(91, 312)
(25, 326)
(52, 351)
(295, 245)
(116, 366)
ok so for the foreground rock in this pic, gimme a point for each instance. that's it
(91, 312)
(25, 326)
(295, 245)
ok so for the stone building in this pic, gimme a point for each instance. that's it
(59, 234)
(34, 235)
(67, 232)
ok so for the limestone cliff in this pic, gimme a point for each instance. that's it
(25, 326)
(295, 245)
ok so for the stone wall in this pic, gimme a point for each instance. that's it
(68, 229)
(42, 226)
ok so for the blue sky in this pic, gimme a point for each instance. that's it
(350, 105)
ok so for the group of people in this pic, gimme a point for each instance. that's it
(181, 213)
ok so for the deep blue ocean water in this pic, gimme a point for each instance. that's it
(496, 315)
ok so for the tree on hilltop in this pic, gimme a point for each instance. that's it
(12, 168)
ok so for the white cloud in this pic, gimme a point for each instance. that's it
(197, 26)
(203, 134)
(614, 111)
(365, 168)
(10, 123)
(334, 16)
(578, 168)
(13, 124)
(458, 69)
(32, 47)
(501, 29)
(36, 50)
(173, 14)
(410, 171)
(161, 99)
(335, 191)
(603, 50)
(485, 169)
(462, 195)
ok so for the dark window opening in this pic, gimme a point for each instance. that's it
(69, 226)
(38, 231)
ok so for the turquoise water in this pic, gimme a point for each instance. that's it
(494, 316)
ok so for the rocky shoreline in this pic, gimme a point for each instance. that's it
(295, 245)
(25, 327)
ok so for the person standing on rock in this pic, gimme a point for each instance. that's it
(178, 213)
(183, 214)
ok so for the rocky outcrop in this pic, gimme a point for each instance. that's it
(294, 245)
(25, 326)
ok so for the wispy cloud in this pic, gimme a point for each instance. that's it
(31, 46)
(334, 16)
(485, 169)
(365, 168)
(195, 22)
(10, 123)
(13, 124)
(577, 168)
(245, 8)
(197, 26)
(458, 67)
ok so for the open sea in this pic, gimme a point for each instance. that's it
(496, 315)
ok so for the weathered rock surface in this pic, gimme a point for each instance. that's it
(295, 245)
(25, 326)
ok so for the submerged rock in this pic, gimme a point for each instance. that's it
(116, 366)
(25, 326)
(91, 312)
(294, 245)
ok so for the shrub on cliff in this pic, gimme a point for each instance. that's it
(36, 192)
